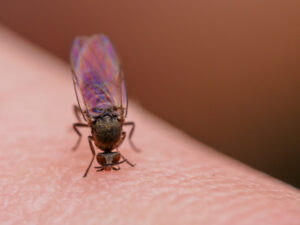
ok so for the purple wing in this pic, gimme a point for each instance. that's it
(98, 75)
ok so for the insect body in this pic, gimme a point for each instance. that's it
(100, 87)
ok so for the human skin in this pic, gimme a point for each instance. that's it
(177, 180)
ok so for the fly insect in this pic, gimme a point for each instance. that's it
(100, 88)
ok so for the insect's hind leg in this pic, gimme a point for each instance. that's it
(132, 124)
(77, 112)
(75, 127)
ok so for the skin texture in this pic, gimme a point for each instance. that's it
(177, 180)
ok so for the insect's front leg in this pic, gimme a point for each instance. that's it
(116, 168)
(75, 127)
(132, 124)
(93, 152)
(124, 160)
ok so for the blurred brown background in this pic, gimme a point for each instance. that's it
(226, 72)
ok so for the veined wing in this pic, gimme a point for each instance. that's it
(98, 74)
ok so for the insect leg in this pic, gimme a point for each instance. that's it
(99, 170)
(77, 111)
(116, 168)
(75, 125)
(125, 160)
(93, 152)
(132, 124)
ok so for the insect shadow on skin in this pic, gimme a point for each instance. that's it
(98, 75)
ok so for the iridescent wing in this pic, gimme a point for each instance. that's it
(77, 44)
(98, 75)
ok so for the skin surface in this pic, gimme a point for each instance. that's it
(177, 180)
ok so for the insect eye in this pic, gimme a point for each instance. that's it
(116, 158)
(101, 159)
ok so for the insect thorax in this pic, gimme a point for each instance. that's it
(107, 130)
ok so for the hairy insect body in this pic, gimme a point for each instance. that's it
(107, 132)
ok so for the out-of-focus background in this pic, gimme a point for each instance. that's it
(226, 72)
